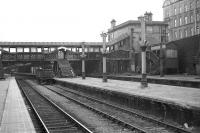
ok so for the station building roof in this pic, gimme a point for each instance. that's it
(134, 22)
(49, 44)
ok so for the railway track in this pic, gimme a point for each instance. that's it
(102, 117)
(52, 117)
(147, 124)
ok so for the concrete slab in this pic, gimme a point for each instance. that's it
(182, 96)
(16, 118)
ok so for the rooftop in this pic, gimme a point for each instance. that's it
(132, 22)
(71, 44)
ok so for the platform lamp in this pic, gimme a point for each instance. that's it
(143, 46)
(104, 35)
(83, 59)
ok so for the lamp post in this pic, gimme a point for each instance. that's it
(104, 35)
(143, 46)
(83, 59)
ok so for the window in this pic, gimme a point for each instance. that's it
(168, 35)
(73, 49)
(186, 33)
(180, 33)
(39, 49)
(171, 53)
(175, 34)
(46, 50)
(90, 49)
(186, 20)
(19, 49)
(192, 31)
(33, 49)
(52, 49)
(116, 47)
(191, 18)
(6, 49)
(175, 22)
(26, 50)
(180, 21)
(13, 50)
(97, 49)
(86, 50)
(80, 49)
(181, 9)
(186, 8)
(149, 29)
(169, 25)
(175, 11)
(69, 49)
(198, 17)
(101, 49)
(191, 7)
(107, 49)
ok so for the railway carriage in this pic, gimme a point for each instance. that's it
(45, 76)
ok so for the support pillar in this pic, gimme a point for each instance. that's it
(161, 61)
(83, 60)
(132, 52)
(104, 35)
(144, 74)
(144, 83)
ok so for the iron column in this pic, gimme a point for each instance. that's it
(83, 60)
(104, 35)
(143, 54)
(162, 54)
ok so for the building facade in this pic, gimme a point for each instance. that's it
(155, 31)
(127, 36)
(182, 17)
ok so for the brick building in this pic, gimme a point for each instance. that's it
(183, 17)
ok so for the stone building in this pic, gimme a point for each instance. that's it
(127, 36)
(183, 18)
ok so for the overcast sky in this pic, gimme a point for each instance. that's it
(68, 20)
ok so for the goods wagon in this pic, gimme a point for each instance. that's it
(45, 76)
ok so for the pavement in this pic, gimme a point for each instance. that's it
(183, 96)
(14, 116)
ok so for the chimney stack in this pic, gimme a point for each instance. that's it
(113, 23)
(148, 16)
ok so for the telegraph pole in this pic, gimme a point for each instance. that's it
(104, 35)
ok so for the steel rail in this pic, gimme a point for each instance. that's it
(32, 106)
(129, 111)
(79, 124)
(123, 123)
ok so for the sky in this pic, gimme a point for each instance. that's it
(68, 20)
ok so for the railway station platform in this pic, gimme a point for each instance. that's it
(181, 104)
(183, 96)
(176, 80)
(14, 116)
